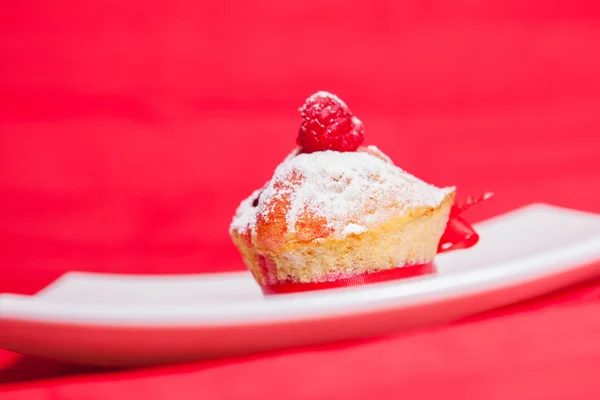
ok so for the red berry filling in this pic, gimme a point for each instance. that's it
(328, 124)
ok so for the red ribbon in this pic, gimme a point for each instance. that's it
(459, 234)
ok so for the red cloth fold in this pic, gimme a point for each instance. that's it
(130, 131)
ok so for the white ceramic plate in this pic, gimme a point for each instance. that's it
(121, 320)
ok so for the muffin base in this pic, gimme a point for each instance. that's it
(411, 238)
(406, 271)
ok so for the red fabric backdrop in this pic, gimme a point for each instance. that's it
(129, 132)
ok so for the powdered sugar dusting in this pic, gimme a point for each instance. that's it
(354, 229)
(351, 191)
(245, 215)
(376, 152)
(325, 94)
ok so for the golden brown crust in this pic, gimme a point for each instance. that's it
(271, 227)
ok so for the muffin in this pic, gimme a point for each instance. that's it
(336, 213)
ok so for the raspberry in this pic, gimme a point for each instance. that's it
(328, 124)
